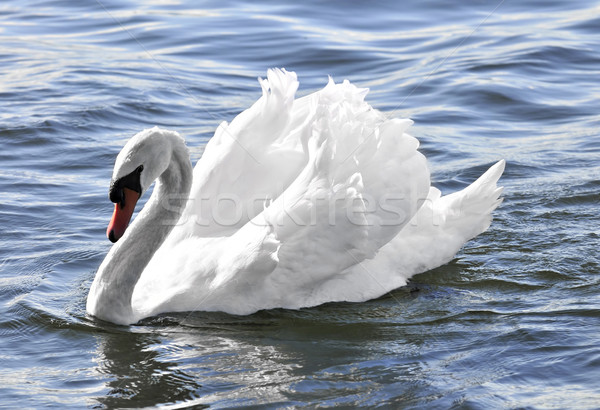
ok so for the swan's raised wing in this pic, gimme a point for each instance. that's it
(363, 182)
(248, 161)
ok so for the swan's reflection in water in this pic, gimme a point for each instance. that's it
(198, 358)
(137, 374)
(341, 351)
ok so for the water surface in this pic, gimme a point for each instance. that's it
(511, 322)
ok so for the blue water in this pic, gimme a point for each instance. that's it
(512, 322)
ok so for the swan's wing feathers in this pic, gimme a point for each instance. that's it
(321, 227)
(235, 173)
(331, 216)
(395, 178)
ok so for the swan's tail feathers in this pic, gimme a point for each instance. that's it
(444, 224)
(469, 211)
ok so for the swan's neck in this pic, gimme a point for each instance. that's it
(110, 294)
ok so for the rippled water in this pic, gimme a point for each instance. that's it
(513, 321)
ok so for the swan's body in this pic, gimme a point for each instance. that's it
(294, 204)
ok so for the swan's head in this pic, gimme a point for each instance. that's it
(143, 159)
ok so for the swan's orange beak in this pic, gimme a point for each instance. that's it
(122, 215)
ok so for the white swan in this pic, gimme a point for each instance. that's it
(296, 203)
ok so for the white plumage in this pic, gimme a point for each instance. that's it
(294, 204)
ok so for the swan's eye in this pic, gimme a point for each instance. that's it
(131, 181)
